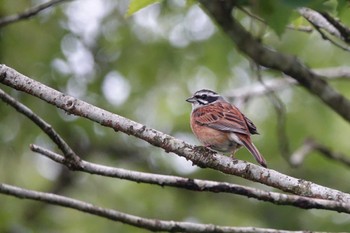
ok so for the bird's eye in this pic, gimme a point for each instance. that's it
(204, 96)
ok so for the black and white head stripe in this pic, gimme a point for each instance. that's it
(206, 96)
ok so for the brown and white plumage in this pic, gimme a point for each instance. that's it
(220, 125)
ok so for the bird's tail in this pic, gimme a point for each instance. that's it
(254, 151)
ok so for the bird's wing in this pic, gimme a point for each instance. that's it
(251, 126)
(223, 117)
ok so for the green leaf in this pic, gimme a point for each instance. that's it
(275, 13)
(300, 3)
(136, 5)
(313, 4)
(341, 6)
(191, 2)
(299, 21)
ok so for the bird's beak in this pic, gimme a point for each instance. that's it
(191, 100)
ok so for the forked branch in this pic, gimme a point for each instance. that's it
(70, 156)
(199, 185)
(198, 155)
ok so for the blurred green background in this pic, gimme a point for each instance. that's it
(143, 67)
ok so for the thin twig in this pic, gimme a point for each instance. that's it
(258, 89)
(281, 115)
(274, 85)
(298, 157)
(69, 154)
(334, 72)
(28, 13)
(328, 153)
(311, 145)
(145, 223)
(290, 27)
(198, 155)
(200, 185)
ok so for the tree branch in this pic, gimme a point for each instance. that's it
(320, 22)
(334, 72)
(145, 223)
(342, 29)
(311, 145)
(316, 84)
(281, 116)
(70, 155)
(4, 21)
(317, 20)
(200, 185)
(274, 85)
(198, 155)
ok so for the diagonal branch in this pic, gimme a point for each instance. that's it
(274, 85)
(316, 84)
(323, 20)
(72, 158)
(145, 223)
(4, 21)
(311, 145)
(343, 30)
(320, 22)
(200, 185)
(198, 155)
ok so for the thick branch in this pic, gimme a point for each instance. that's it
(221, 13)
(28, 13)
(198, 155)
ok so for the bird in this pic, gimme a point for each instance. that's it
(221, 126)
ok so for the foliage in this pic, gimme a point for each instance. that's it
(136, 5)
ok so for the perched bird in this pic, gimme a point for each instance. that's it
(221, 126)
